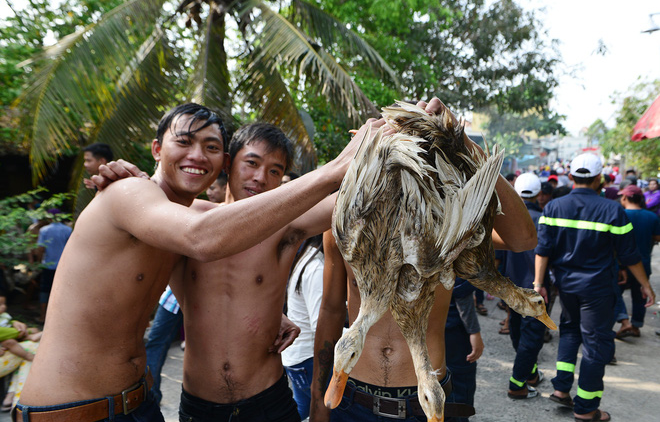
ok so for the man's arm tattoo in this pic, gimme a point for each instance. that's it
(326, 356)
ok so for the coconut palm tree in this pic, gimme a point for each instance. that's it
(111, 81)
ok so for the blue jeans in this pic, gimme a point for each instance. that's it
(164, 330)
(638, 302)
(347, 411)
(300, 376)
(148, 411)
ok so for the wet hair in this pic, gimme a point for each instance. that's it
(315, 242)
(198, 113)
(271, 135)
(100, 150)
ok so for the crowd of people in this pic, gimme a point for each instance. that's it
(221, 271)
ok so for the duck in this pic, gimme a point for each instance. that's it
(475, 264)
(403, 214)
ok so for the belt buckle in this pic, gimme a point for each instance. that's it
(400, 406)
(124, 397)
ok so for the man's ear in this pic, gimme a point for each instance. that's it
(226, 166)
(155, 149)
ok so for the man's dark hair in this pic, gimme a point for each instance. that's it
(637, 199)
(584, 180)
(510, 177)
(222, 178)
(272, 135)
(198, 113)
(100, 150)
(547, 188)
(560, 191)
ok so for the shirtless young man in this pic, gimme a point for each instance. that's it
(385, 368)
(232, 306)
(119, 260)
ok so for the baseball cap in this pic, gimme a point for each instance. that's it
(553, 177)
(586, 165)
(560, 170)
(528, 185)
(631, 190)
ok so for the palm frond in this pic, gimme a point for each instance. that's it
(74, 79)
(130, 120)
(280, 39)
(209, 83)
(330, 32)
(267, 93)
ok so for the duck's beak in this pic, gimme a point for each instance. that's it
(335, 389)
(545, 318)
(435, 418)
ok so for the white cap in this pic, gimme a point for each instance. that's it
(528, 185)
(586, 165)
(560, 170)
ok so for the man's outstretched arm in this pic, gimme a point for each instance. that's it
(227, 230)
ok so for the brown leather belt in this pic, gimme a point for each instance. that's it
(396, 408)
(124, 403)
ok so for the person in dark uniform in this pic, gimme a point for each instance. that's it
(526, 332)
(579, 235)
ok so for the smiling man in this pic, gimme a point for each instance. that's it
(232, 306)
(126, 243)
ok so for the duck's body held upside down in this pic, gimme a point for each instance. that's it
(416, 209)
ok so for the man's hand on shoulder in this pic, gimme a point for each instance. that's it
(116, 170)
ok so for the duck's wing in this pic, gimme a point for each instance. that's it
(362, 185)
(461, 211)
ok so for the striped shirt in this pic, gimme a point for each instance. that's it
(168, 301)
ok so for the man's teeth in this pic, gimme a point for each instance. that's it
(194, 171)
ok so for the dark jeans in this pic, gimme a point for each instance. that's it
(527, 339)
(45, 284)
(585, 321)
(148, 411)
(463, 373)
(301, 382)
(275, 404)
(164, 330)
(638, 302)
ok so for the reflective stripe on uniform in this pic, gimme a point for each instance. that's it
(516, 382)
(585, 225)
(589, 395)
(565, 366)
